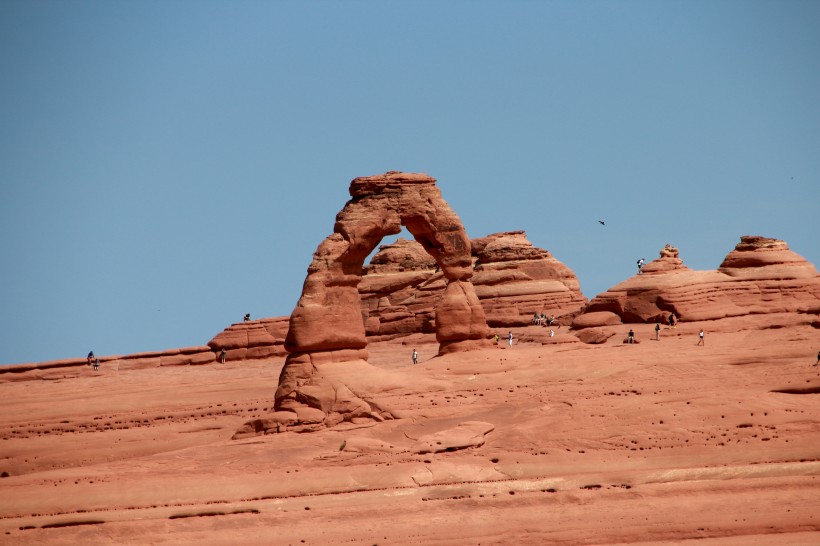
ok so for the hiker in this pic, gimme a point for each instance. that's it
(96, 364)
(535, 319)
(510, 338)
(415, 357)
(550, 320)
(223, 354)
(630, 337)
(671, 320)
(247, 317)
(700, 338)
(495, 338)
(90, 358)
(640, 265)
(657, 331)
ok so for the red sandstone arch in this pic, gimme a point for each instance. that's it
(326, 325)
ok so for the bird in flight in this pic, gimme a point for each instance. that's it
(601, 222)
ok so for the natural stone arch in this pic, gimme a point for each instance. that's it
(326, 326)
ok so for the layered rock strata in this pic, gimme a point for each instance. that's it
(326, 328)
(513, 280)
(761, 276)
(76, 367)
(250, 340)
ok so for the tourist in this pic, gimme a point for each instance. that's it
(247, 317)
(535, 319)
(657, 331)
(630, 337)
(640, 265)
(96, 364)
(415, 357)
(510, 338)
(90, 358)
(700, 338)
(671, 320)
(223, 354)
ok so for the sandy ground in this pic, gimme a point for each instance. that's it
(662, 442)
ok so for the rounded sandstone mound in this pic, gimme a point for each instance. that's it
(761, 276)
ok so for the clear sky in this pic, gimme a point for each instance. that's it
(168, 166)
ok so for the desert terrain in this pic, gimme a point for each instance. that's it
(551, 441)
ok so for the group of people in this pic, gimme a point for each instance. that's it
(630, 337)
(508, 337)
(93, 360)
(542, 319)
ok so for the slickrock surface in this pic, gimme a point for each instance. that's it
(559, 443)
(760, 284)
(76, 367)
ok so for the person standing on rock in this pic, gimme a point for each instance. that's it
(510, 338)
(640, 265)
(671, 320)
(415, 357)
(96, 363)
(630, 337)
(657, 331)
(700, 338)
(223, 354)
(90, 358)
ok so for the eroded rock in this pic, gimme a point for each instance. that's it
(327, 321)
(761, 276)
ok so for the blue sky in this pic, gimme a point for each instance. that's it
(166, 167)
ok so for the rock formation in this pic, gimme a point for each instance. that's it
(760, 277)
(78, 367)
(326, 330)
(252, 339)
(513, 279)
